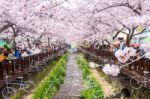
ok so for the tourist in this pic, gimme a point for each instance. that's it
(17, 53)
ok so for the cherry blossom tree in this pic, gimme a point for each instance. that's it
(120, 16)
(30, 18)
(74, 20)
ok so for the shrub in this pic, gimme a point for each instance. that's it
(51, 83)
(92, 89)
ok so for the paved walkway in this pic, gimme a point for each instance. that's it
(72, 85)
(107, 87)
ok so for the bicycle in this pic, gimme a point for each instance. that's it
(8, 91)
(138, 82)
(35, 67)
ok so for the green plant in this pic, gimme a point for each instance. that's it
(92, 89)
(51, 83)
(36, 79)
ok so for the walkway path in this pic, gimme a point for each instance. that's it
(72, 85)
(107, 87)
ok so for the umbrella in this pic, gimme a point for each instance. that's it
(3, 44)
(135, 44)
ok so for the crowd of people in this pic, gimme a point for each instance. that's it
(124, 52)
(17, 53)
(8, 51)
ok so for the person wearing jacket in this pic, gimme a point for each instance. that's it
(17, 53)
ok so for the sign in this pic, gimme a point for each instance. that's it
(140, 29)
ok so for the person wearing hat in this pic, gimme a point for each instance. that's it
(119, 44)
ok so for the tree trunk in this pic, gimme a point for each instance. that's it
(128, 41)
